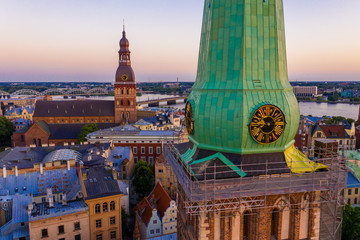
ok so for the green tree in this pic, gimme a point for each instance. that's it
(350, 120)
(124, 219)
(143, 179)
(85, 130)
(6, 130)
(351, 223)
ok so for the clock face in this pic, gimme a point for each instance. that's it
(189, 118)
(267, 124)
(124, 77)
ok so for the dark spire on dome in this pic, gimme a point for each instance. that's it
(124, 72)
(124, 42)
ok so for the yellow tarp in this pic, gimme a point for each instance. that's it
(299, 163)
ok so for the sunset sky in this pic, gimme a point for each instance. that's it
(69, 40)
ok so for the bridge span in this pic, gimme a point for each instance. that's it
(156, 102)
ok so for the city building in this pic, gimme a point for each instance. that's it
(103, 196)
(162, 121)
(156, 214)
(20, 112)
(59, 220)
(240, 175)
(121, 160)
(145, 144)
(43, 134)
(352, 194)
(305, 91)
(20, 123)
(165, 176)
(345, 136)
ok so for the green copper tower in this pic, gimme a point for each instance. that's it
(242, 66)
(242, 102)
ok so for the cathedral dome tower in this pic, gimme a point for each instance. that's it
(125, 86)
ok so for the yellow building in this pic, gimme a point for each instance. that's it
(352, 191)
(63, 221)
(23, 112)
(103, 197)
(165, 176)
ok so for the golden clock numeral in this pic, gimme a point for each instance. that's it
(267, 140)
(259, 137)
(255, 131)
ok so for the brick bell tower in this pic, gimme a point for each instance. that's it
(125, 86)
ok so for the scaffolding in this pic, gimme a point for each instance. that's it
(223, 195)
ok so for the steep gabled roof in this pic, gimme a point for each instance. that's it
(159, 199)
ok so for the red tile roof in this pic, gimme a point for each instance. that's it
(158, 199)
(334, 131)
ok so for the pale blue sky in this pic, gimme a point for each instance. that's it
(67, 40)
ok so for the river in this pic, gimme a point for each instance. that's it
(306, 108)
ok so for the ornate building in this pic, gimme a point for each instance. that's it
(125, 86)
(240, 176)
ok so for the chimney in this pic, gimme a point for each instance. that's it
(16, 171)
(50, 198)
(64, 202)
(4, 171)
(68, 165)
(30, 208)
(41, 169)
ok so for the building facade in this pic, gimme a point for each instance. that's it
(305, 91)
(145, 145)
(345, 137)
(156, 214)
(103, 196)
(63, 221)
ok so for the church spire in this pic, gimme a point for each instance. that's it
(124, 53)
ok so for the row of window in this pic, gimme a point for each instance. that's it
(355, 201)
(61, 230)
(98, 222)
(350, 191)
(150, 150)
(121, 91)
(105, 207)
(151, 160)
(112, 235)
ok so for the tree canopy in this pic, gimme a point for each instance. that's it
(143, 179)
(85, 130)
(351, 223)
(6, 130)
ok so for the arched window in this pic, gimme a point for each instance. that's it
(129, 105)
(275, 224)
(122, 102)
(247, 224)
(112, 206)
(97, 208)
(122, 115)
(127, 91)
(105, 207)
